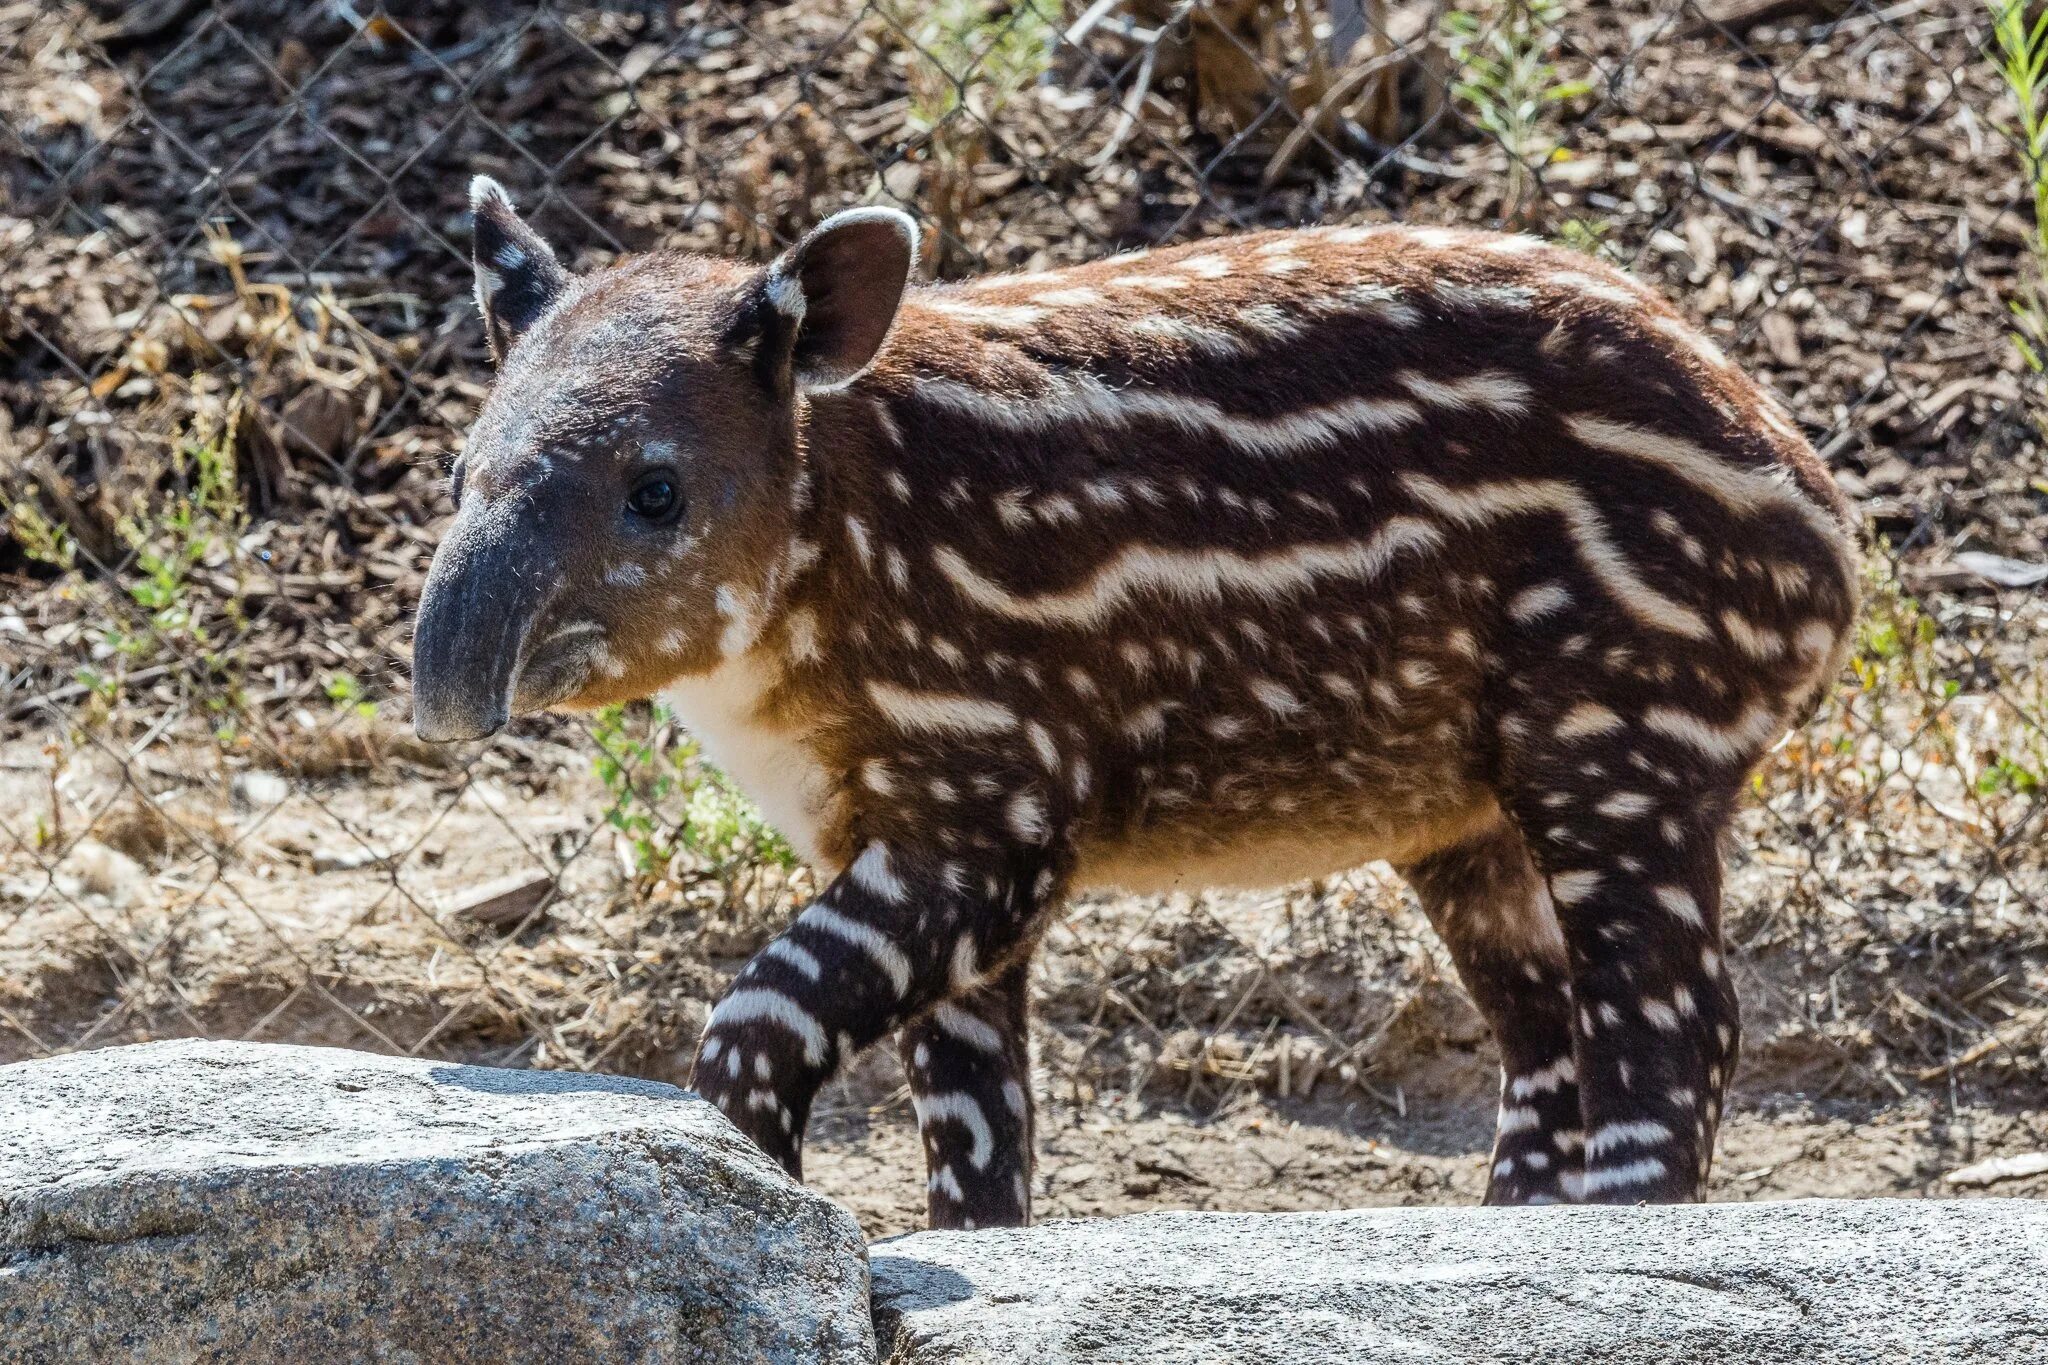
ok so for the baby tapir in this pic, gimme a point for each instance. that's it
(1223, 565)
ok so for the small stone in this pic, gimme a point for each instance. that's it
(1888, 475)
(93, 869)
(347, 858)
(506, 902)
(1994, 1169)
(260, 790)
(2003, 570)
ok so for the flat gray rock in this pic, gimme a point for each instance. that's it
(1808, 1281)
(243, 1202)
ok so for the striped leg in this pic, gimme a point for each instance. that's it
(890, 937)
(1491, 910)
(1626, 835)
(969, 1064)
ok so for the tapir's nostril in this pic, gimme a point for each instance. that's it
(437, 725)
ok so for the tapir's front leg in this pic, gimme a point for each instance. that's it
(894, 935)
(969, 1066)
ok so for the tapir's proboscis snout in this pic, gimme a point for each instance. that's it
(484, 595)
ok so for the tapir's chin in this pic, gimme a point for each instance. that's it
(556, 674)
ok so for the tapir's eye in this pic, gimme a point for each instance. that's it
(655, 497)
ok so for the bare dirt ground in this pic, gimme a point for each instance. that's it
(246, 218)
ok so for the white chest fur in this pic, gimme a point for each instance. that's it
(722, 710)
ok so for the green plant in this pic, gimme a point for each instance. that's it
(347, 694)
(2021, 55)
(1587, 235)
(40, 537)
(676, 813)
(173, 606)
(967, 59)
(1507, 72)
(1918, 713)
(2007, 773)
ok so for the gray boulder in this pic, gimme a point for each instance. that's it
(1808, 1281)
(242, 1202)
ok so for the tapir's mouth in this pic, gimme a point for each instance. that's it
(556, 669)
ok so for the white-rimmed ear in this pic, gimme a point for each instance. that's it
(517, 275)
(837, 291)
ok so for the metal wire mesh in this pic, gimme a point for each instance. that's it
(237, 349)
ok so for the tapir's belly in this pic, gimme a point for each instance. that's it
(1220, 847)
(1198, 817)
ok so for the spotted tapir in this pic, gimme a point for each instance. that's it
(1221, 565)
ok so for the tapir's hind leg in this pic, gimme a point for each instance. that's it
(1624, 819)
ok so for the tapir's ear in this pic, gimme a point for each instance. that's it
(517, 275)
(834, 294)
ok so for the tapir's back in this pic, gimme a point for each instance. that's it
(1280, 344)
(1271, 527)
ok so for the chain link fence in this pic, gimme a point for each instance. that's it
(238, 349)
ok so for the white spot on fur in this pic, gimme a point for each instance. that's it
(1586, 719)
(1639, 1172)
(970, 1029)
(1041, 740)
(1625, 805)
(1593, 287)
(1518, 1119)
(1569, 888)
(801, 627)
(1027, 818)
(995, 315)
(1274, 697)
(940, 713)
(1679, 902)
(1559, 1073)
(1155, 283)
(872, 871)
(870, 940)
(1493, 391)
(760, 1005)
(863, 547)
(1535, 603)
(961, 972)
(1192, 576)
(740, 626)
(796, 955)
(1740, 742)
